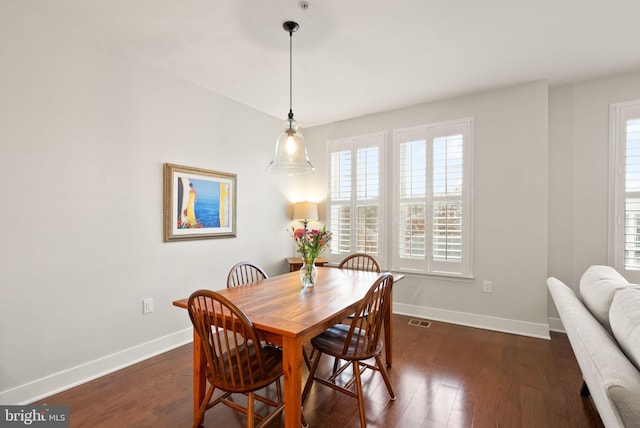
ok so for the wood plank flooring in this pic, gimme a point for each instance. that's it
(444, 376)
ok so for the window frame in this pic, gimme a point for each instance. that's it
(619, 113)
(428, 266)
(389, 203)
(375, 139)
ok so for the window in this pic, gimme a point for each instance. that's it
(625, 193)
(433, 199)
(355, 195)
(427, 227)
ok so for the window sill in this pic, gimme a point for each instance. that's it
(467, 279)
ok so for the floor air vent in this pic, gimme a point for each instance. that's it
(420, 323)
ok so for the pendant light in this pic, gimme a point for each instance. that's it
(290, 157)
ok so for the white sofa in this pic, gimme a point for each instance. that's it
(603, 327)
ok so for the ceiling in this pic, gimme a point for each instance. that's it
(356, 57)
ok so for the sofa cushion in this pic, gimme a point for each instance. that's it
(624, 317)
(598, 285)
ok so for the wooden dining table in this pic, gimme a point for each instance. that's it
(288, 315)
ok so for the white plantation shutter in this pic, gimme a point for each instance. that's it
(434, 199)
(355, 194)
(632, 195)
(367, 199)
(447, 161)
(625, 149)
(413, 196)
(340, 201)
(431, 228)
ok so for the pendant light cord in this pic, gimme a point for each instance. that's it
(290, 74)
(290, 27)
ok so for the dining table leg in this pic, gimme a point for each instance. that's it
(292, 367)
(199, 375)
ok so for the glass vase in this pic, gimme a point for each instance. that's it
(308, 272)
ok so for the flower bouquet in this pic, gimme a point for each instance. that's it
(311, 243)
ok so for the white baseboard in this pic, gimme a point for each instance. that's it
(555, 324)
(540, 331)
(63, 380)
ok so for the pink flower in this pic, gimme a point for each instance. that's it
(311, 242)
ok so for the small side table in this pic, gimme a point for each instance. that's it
(295, 263)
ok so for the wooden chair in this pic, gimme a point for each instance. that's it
(356, 261)
(360, 261)
(356, 343)
(244, 273)
(234, 366)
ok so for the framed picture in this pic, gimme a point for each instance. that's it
(198, 203)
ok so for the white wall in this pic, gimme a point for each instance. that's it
(579, 173)
(510, 208)
(84, 132)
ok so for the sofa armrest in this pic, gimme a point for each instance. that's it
(604, 366)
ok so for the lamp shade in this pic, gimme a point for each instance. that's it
(305, 211)
(290, 157)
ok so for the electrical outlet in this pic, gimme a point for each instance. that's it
(147, 306)
(486, 286)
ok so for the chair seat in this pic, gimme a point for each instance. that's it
(272, 363)
(332, 342)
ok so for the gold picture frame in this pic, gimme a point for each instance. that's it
(198, 203)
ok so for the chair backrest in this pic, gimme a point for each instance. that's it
(231, 345)
(244, 273)
(360, 261)
(363, 339)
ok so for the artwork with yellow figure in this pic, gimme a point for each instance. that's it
(187, 204)
(203, 203)
(191, 207)
(198, 203)
(223, 208)
(183, 201)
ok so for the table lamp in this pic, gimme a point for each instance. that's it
(305, 211)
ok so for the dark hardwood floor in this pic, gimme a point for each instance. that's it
(443, 376)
